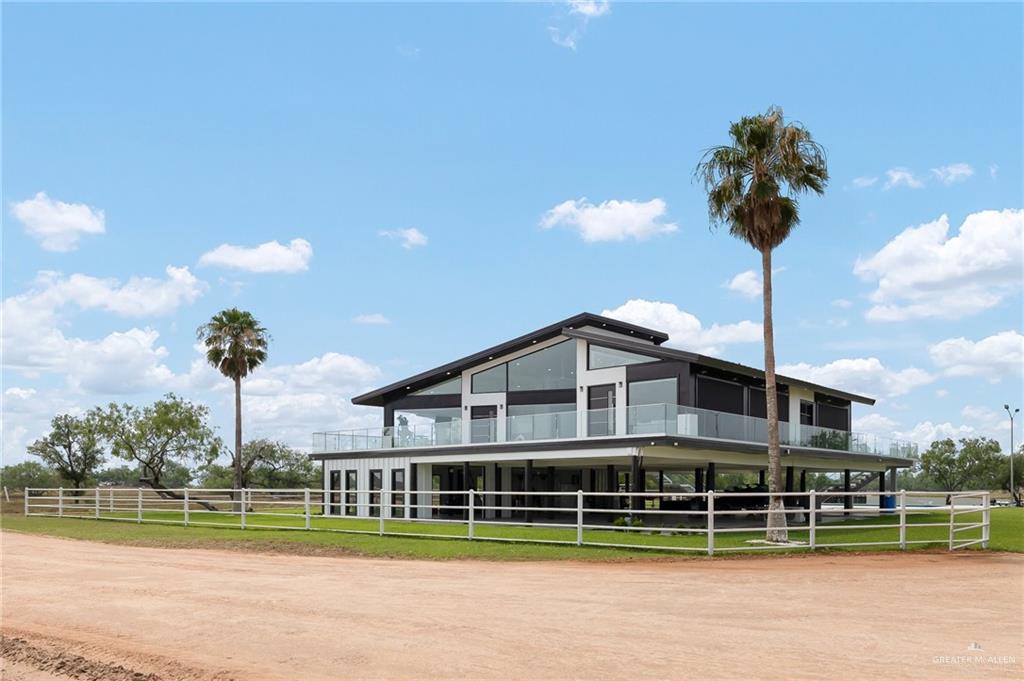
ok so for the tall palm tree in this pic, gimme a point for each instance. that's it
(235, 345)
(752, 186)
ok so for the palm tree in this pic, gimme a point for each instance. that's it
(235, 345)
(752, 186)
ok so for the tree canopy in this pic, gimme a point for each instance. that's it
(170, 430)
(72, 448)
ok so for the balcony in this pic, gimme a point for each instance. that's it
(647, 419)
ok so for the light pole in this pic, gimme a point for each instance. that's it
(1013, 496)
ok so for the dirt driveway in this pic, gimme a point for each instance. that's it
(87, 610)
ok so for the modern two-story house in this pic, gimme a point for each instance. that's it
(588, 403)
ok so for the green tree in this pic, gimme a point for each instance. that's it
(122, 476)
(29, 474)
(72, 448)
(236, 345)
(265, 464)
(752, 186)
(976, 463)
(171, 430)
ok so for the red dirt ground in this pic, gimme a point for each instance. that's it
(74, 609)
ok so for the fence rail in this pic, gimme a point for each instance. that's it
(711, 522)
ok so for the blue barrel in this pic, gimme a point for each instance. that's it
(890, 502)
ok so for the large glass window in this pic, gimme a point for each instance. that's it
(493, 380)
(397, 485)
(719, 395)
(806, 413)
(602, 357)
(657, 391)
(351, 485)
(453, 386)
(552, 368)
(541, 421)
(376, 483)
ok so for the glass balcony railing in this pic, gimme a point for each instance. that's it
(647, 419)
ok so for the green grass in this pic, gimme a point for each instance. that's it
(1007, 535)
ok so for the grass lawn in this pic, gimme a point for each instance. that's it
(1007, 535)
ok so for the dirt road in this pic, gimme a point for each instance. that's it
(85, 610)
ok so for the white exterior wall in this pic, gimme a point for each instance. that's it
(363, 466)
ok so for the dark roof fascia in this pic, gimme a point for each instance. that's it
(670, 353)
(513, 448)
(376, 398)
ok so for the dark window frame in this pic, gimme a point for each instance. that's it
(375, 492)
(397, 493)
(351, 492)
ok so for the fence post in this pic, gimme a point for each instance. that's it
(185, 504)
(951, 506)
(60, 502)
(812, 531)
(986, 516)
(305, 502)
(579, 517)
(138, 506)
(110, 500)
(96, 497)
(472, 515)
(711, 522)
(27, 491)
(242, 495)
(381, 505)
(903, 519)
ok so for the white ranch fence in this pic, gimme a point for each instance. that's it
(711, 522)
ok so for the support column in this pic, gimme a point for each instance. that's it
(637, 475)
(499, 498)
(698, 480)
(611, 484)
(804, 501)
(760, 477)
(881, 488)
(414, 498)
(847, 499)
(528, 485)
(550, 501)
(466, 484)
(709, 481)
(787, 501)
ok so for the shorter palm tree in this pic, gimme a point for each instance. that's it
(235, 345)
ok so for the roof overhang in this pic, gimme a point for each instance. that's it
(377, 398)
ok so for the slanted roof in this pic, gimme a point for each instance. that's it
(376, 398)
(742, 369)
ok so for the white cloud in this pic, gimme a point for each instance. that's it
(589, 8)
(941, 392)
(842, 303)
(902, 177)
(374, 318)
(267, 257)
(747, 284)
(684, 329)
(926, 432)
(611, 220)
(875, 424)
(865, 376)
(409, 237)
(922, 273)
(953, 173)
(55, 224)
(864, 182)
(994, 357)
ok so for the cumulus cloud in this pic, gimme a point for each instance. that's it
(684, 329)
(568, 31)
(865, 376)
(993, 357)
(375, 318)
(55, 224)
(409, 238)
(926, 432)
(747, 284)
(902, 177)
(924, 273)
(589, 8)
(267, 257)
(610, 220)
(953, 173)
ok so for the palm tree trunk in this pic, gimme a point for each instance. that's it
(238, 433)
(776, 523)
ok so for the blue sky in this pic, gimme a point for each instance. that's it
(143, 137)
